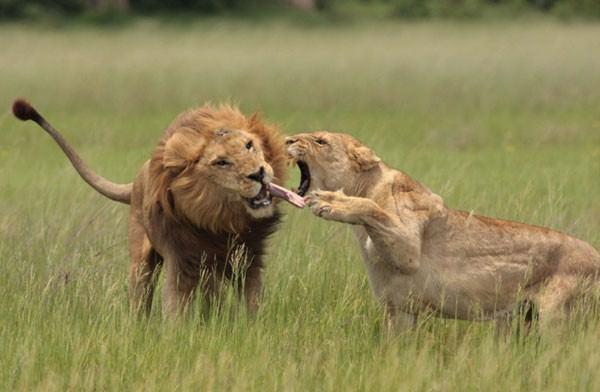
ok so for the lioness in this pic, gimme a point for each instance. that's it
(204, 198)
(421, 255)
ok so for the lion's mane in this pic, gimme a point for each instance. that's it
(216, 225)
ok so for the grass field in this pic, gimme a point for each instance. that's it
(501, 119)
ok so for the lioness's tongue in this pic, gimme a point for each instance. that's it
(287, 195)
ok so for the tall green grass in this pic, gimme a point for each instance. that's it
(500, 119)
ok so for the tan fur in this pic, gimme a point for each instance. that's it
(421, 255)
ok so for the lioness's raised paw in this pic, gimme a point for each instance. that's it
(329, 205)
(330, 197)
(318, 205)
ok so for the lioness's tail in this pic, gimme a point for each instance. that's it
(117, 192)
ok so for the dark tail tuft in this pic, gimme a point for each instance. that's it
(24, 111)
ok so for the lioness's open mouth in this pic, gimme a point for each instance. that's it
(304, 178)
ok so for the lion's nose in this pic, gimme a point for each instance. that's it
(290, 140)
(259, 175)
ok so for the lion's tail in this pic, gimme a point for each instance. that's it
(117, 192)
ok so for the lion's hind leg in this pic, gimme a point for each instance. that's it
(142, 280)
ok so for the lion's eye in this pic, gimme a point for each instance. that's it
(249, 145)
(320, 141)
(222, 163)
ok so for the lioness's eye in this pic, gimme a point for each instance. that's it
(249, 145)
(221, 162)
(320, 141)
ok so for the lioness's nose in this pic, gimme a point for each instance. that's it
(290, 140)
(259, 175)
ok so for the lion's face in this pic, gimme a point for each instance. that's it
(235, 161)
(215, 166)
(328, 161)
(232, 165)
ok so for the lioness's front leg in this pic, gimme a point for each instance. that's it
(397, 321)
(396, 241)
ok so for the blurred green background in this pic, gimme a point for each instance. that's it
(115, 9)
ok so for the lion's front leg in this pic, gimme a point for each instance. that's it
(253, 289)
(336, 206)
(178, 290)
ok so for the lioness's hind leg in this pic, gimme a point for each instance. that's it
(520, 321)
(555, 299)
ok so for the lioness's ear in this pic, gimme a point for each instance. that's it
(364, 157)
(182, 148)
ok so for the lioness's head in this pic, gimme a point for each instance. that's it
(329, 161)
(215, 166)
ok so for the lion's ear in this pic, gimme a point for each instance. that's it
(182, 148)
(254, 120)
(364, 157)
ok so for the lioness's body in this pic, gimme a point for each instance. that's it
(200, 205)
(474, 267)
(421, 255)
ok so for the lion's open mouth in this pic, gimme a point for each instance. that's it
(304, 178)
(263, 199)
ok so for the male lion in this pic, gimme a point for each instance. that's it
(203, 199)
(421, 255)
